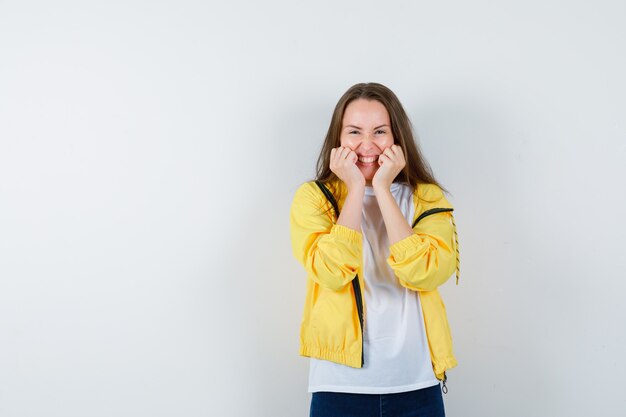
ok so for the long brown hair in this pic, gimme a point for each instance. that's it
(416, 171)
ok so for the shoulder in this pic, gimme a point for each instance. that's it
(428, 191)
(306, 201)
(310, 193)
(309, 201)
(306, 191)
(310, 189)
(430, 196)
(305, 186)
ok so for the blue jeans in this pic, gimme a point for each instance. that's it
(425, 402)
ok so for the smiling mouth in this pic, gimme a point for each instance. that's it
(367, 164)
(368, 160)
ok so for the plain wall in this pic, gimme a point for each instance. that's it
(149, 152)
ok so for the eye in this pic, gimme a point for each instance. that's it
(353, 132)
(381, 131)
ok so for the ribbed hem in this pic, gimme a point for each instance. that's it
(353, 360)
(346, 233)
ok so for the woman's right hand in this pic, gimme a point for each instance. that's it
(343, 164)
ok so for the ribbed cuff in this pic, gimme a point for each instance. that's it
(400, 248)
(344, 232)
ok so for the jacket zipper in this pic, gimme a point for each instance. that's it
(444, 389)
(359, 306)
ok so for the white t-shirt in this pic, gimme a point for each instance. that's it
(395, 347)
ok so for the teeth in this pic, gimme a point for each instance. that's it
(366, 160)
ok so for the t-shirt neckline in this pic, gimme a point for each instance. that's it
(369, 190)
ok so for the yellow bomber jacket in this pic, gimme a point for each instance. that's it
(331, 254)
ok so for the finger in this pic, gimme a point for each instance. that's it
(335, 157)
(345, 151)
(399, 154)
(397, 150)
(340, 154)
(389, 153)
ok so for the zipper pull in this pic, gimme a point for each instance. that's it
(444, 389)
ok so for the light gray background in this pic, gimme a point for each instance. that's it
(150, 151)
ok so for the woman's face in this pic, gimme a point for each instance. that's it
(366, 129)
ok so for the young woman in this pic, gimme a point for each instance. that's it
(376, 237)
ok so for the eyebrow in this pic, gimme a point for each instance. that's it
(356, 127)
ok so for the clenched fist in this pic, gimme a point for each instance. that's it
(343, 164)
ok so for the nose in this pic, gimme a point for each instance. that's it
(366, 140)
(367, 144)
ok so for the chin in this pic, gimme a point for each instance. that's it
(369, 173)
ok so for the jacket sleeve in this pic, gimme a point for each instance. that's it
(427, 258)
(330, 253)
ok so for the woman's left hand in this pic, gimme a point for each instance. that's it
(390, 162)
